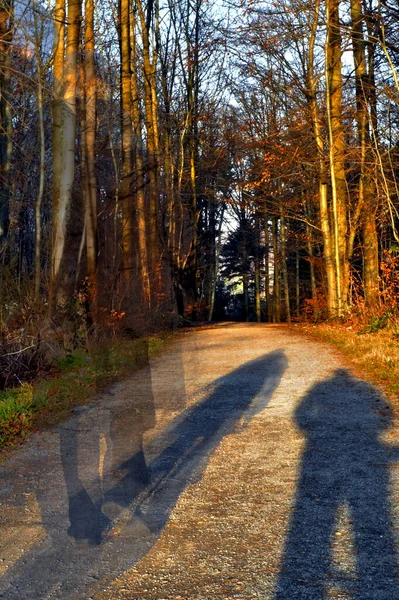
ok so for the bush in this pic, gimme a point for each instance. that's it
(22, 357)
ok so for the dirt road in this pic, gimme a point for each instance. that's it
(245, 462)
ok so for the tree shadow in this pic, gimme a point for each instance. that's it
(344, 466)
(116, 517)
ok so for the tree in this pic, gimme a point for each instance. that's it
(64, 137)
(6, 36)
(89, 132)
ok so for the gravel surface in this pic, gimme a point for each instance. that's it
(245, 462)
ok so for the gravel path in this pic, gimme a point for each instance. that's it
(245, 462)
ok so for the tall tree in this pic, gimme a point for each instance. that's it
(89, 132)
(38, 42)
(65, 96)
(365, 90)
(146, 16)
(127, 145)
(6, 36)
(337, 150)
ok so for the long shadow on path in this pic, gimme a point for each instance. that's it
(142, 496)
(344, 466)
(102, 455)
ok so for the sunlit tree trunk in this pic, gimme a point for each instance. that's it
(276, 269)
(67, 85)
(257, 269)
(325, 225)
(297, 284)
(189, 59)
(58, 93)
(127, 147)
(58, 209)
(283, 244)
(245, 283)
(367, 191)
(210, 276)
(245, 263)
(193, 151)
(267, 266)
(216, 266)
(139, 184)
(170, 159)
(309, 241)
(337, 150)
(6, 36)
(311, 265)
(89, 155)
(149, 65)
(38, 36)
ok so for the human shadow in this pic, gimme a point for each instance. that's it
(228, 408)
(344, 466)
(142, 495)
(102, 454)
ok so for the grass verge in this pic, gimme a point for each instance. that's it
(372, 355)
(75, 380)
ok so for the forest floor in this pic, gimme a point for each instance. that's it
(246, 461)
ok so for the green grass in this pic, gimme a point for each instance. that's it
(76, 379)
(16, 409)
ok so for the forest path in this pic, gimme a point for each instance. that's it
(245, 462)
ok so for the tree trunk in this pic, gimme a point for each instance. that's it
(312, 269)
(337, 150)
(127, 148)
(257, 270)
(276, 269)
(139, 184)
(40, 193)
(297, 284)
(325, 225)
(149, 66)
(57, 142)
(210, 279)
(245, 284)
(367, 191)
(89, 155)
(6, 36)
(371, 264)
(284, 263)
(267, 269)
(62, 206)
(218, 249)
(245, 263)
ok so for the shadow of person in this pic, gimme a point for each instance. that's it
(103, 458)
(240, 394)
(86, 520)
(192, 437)
(344, 465)
(65, 569)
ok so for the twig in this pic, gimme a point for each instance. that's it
(19, 351)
